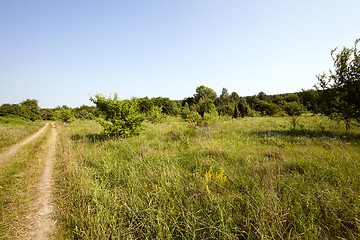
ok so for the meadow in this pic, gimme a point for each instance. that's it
(12, 130)
(250, 178)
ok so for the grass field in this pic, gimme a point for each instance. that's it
(14, 129)
(252, 178)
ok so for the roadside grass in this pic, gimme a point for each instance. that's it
(12, 130)
(251, 178)
(18, 178)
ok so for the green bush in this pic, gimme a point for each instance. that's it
(120, 118)
(65, 115)
(294, 108)
(155, 115)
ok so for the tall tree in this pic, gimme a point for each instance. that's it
(340, 95)
(205, 92)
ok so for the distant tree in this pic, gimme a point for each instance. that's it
(185, 111)
(243, 107)
(291, 97)
(340, 90)
(279, 100)
(145, 104)
(205, 92)
(309, 98)
(225, 97)
(267, 108)
(294, 108)
(10, 110)
(30, 109)
(47, 114)
(205, 105)
(64, 115)
(168, 106)
(253, 101)
(235, 97)
(236, 113)
(262, 96)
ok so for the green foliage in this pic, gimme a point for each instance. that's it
(236, 113)
(340, 95)
(185, 111)
(65, 115)
(28, 109)
(205, 105)
(121, 118)
(267, 108)
(205, 92)
(309, 98)
(293, 108)
(155, 115)
(292, 97)
(194, 119)
(243, 108)
(168, 106)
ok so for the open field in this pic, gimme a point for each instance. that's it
(251, 178)
(13, 130)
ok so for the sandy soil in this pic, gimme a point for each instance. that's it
(41, 219)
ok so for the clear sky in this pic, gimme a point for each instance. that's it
(60, 52)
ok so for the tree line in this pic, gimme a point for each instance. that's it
(336, 95)
(205, 100)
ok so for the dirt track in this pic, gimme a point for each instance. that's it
(41, 218)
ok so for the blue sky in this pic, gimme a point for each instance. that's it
(60, 52)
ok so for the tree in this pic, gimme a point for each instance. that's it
(65, 114)
(293, 108)
(235, 96)
(243, 107)
(30, 109)
(205, 92)
(236, 113)
(225, 97)
(205, 105)
(121, 118)
(340, 90)
(309, 98)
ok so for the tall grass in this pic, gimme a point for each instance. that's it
(18, 178)
(14, 129)
(252, 178)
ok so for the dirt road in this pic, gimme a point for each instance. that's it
(41, 221)
(41, 218)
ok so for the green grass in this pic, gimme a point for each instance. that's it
(252, 178)
(12, 130)
(18, 178)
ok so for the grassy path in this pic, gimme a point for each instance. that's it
(41, 219)
(26, 169)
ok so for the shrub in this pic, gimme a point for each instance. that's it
(294, 108)
(155, 115)
(121, 118)
(65, 115)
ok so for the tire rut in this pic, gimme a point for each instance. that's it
(41, 220)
